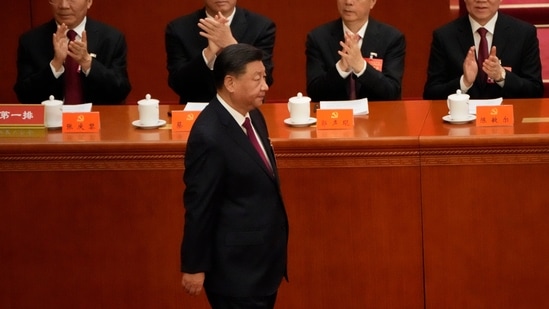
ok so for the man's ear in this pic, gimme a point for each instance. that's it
(229, 82)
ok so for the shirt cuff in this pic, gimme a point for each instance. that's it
(57, 73)
(343, 74)
(462, 86)
(363, 69)
(209, 64)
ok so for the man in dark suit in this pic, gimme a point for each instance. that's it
(236, 228)
(194, 40)
(99, 50)
(513, 66)
(355, 56)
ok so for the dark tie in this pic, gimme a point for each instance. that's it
(73, 83)
(253, 139)
(482, 55)
(352, 87)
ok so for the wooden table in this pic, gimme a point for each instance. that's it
(95, 220)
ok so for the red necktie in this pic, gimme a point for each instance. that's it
(482, 55)
(73, 83)
(352, 87)
(352, 81)
(253, 139)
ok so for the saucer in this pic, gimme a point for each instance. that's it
(309, 122)
(449, 119)
(160, 123)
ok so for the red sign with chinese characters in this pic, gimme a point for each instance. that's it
(24, 115)
(495, 116)
(335, 119)
(183, 121)
(75, 122)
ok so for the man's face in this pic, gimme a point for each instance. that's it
(70, 12)
(482, 10)
(249, 89)
(224, 6)
(352, 11)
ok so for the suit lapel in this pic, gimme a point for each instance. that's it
(263, 136)
(371, 38)
(239, 137)
(500, 35)
(93, 38)
(336, 36)
(465, 36)
(239, 24)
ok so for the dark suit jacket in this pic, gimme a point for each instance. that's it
(517, 48)
(107, 82)
(323, 80)
(236, 228)
(189, 76)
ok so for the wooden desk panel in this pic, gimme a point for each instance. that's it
(90, 239)
(95, 220)
(485, 198)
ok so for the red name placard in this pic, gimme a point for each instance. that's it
(335, 119)
(183, 121)
(75, 122)
(494, 116)
(22, 115)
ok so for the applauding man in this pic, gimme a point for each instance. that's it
(73, 58)
(193, 42)
(355, 56)
(485, 54)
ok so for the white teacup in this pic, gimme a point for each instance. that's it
(300, 108)
(458, 104)
(53, 113)
(148, 111)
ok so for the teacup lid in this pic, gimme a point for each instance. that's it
(52, 100)
(300, 98)
(458, 96)
(147, 100)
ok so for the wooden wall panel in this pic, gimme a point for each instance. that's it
(144, 22)
(14, 19)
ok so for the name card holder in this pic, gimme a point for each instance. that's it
(81, 122)
(21, 115)
(495, 116)
(182, 121)
(376, 63)
(334, 119)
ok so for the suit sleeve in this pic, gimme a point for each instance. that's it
(265, 41)
(387, 84)
(439, 82)
(187, 73)
(323, 79)
(203, 173)
(108, 80)
(35, 81)
(524, 81)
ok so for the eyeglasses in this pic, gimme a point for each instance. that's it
(57, 2)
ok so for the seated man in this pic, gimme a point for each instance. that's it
(486, 54)
(91, 67)
(355, 57)
(193, 41)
